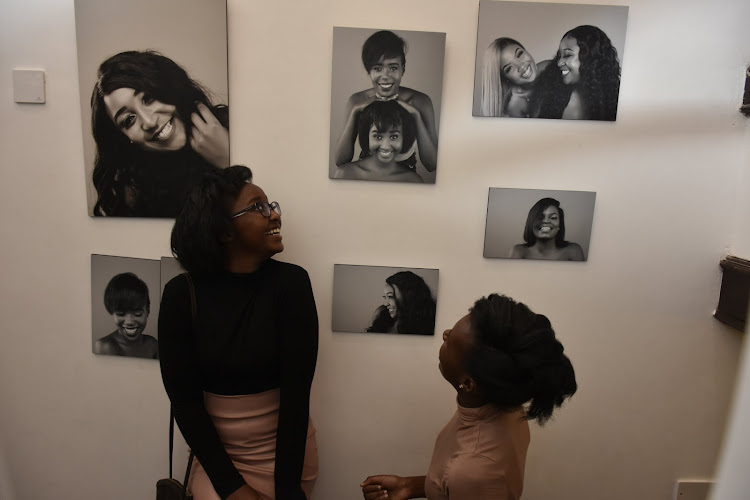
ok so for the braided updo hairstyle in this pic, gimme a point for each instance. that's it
(516, 359)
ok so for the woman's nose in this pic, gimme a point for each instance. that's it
(445, 334)
(148, 120)
(560, 63)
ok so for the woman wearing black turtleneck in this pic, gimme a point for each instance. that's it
(239, 377)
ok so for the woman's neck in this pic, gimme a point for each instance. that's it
(243, 264)
(546, 246)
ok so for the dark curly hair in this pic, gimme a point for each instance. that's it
(535, 214)
(204, 217)
(415, 310)
(126, 292)
(124, 174)
(600, 77)
(516, 359)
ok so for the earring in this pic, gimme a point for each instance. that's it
(461, 386)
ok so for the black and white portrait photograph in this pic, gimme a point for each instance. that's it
(386, 91)
(378, 299)
(549, 60)
(124, 306)
(154, 101)
(538, 224)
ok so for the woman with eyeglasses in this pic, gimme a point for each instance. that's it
(238, 374)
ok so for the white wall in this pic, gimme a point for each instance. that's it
(655, 370)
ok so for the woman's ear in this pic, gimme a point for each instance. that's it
(468, 384)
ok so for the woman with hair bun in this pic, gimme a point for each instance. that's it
(156, 134)
(507, 368)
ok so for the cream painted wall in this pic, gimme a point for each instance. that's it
(655, 370)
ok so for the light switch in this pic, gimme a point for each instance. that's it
(28, 86)
(692, 489)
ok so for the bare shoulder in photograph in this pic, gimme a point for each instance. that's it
(394, 125)
(538, 60)
(127, 301)
(544, 235)
(538, 224)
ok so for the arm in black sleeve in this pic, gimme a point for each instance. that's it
(180, 374)
(297, 318)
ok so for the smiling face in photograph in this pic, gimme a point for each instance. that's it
(130, 324)
(391, 297)
(569, 63)
(547, 226)
(386, 76)
(385, 145)
(149, 124)
(517, 65)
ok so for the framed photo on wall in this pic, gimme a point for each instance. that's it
(377, 299)
(549, 60)
(538, 224)
(124, 306)
(154, 101)
(386, 92)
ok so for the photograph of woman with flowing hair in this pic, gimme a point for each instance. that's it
(156, 134)
(576, 77)
(583, 81)
(154, 107)
(403, 299)
(548, 231)
(408, 306)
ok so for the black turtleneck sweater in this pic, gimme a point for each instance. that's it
(254, 332)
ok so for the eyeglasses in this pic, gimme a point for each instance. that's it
(262, 206)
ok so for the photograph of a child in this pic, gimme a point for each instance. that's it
(538, 224)
(392, 300)
(546, 60)
(122, 289)
(386, 91)
(154, 107)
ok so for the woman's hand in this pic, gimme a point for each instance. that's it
(244, 493)
(209, 138)
(387, 486)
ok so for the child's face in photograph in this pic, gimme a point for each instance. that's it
(130, 324)
(385, 145)
(386, 76)
(569, 63)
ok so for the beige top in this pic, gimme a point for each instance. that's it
(479, 455)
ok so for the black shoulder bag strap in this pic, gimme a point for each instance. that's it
(194, 314)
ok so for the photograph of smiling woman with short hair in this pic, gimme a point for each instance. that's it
(538, 224)
(123, 314)
(371, 66)
(544, 60)
(153, 107)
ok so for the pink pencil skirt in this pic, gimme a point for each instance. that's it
(247, 426)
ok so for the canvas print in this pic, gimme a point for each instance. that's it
(124, 306)
(538, 224)
(386, 91)
(549, 60)
(154, 101)
(391, 300)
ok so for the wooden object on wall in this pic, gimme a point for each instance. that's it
(735, 292)
(745, 108)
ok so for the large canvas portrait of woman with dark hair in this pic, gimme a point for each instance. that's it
(154, 107)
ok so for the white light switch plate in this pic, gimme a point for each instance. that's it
(28, 86)
(692, 489)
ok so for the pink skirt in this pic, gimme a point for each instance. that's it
(247, 426)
